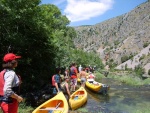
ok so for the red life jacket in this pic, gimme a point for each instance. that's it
(2, 81)
(53, 80)
(72, 71)
(91, 76)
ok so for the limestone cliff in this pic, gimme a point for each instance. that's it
(118, 39)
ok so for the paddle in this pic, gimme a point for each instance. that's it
(51, 111)
(58, 105)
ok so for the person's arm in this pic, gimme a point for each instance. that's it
(17, 97)
(57, 80)
(56, 85)
(67, 88)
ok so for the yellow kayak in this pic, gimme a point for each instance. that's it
(57, 104)
(93, 86)
(78, 98)
(97, 87)
(78, 80)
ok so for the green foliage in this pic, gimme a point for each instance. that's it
(23, 108)
(139, 70)
(146, 81)
(39, 33)
(142, 57)
(111, 64)
(81, 58)
(99, 75)
(125, 58)
(146, 44)
(128, 78)
(116, 42)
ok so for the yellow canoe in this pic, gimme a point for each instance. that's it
(97, 87)
(57, 104)
(78, 98)
(78, 80)
(93, 86)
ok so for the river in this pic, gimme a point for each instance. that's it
(121, 98)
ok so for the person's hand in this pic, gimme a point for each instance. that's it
(19, 99)
(58, 92)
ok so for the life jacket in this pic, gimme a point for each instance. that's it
(2, 81)
(53, 80)
(72, 71)
(91, 76)
(63, 86)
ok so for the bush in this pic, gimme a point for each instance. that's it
(139, 70)
(124, 58)
(145, 44)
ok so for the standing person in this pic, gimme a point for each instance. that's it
(65, 88)
(83, 77)
(56, 81)
(9, 85)
(66, 73)
(80, 68)
(87, 69)
(73, 75)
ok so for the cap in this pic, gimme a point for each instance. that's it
(10, 56)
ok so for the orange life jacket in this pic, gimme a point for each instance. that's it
(2, 81)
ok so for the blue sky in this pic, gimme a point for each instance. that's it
(90, 12)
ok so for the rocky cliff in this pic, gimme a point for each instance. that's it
(119, 39)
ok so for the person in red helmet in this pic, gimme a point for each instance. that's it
(9, 85)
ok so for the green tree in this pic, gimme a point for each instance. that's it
(28, 29)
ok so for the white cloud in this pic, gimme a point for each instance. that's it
(78, 10)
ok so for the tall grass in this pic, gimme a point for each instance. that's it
(129, 78)
(23, 108)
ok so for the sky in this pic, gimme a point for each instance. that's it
(91, 12)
